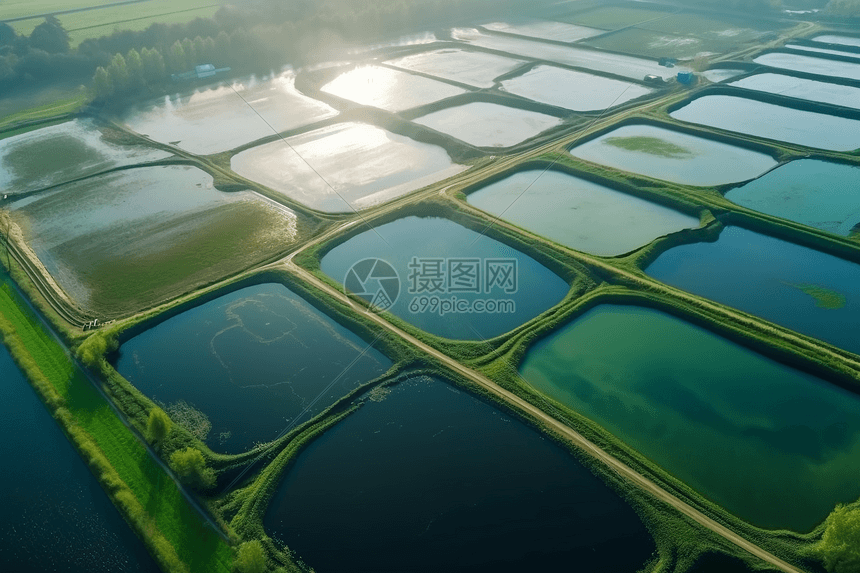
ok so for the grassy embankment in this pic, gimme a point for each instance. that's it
(44, 115)
(149, 500)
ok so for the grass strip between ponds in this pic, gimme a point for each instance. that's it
(146, 496)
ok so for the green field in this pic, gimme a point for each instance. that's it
(147, 497)
(138, 16)
(21, 8)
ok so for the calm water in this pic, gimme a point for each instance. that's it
(833, 39)
(673, 156)
(773, 122)
(620, 65)
(810, 64)
(774, 446)
(816, 193)
(361, 165)
(802, 88)
(431, 479)
(577, 213)
(218, 118)
(774, 279)
(477, 69)
(823, 50)
(577, 91)
(60, 153)
(719, 75)
(251, 361)
(388, 89)
(558, 31)
(54, 515)
(488, 124)
(438, 245)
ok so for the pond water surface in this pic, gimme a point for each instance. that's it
(223, 117)
(572, 90)
(488, 124)
(577, 213)
(800, 288)
(772, 121)
(802, 88)
(673, 156)
(816, 193)
(477, 69)
(823, 50)
(436, 480)
(55, 515)
(388, 89)
(835, 39)
(251, 361)
(772, 445)
(810, 64)
(558, 31)
(439, 261)
(361, 165)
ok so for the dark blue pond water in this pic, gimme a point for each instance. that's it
(783, 282)
(440, 265)
(251, 361)
(54, 515)
(432, 479)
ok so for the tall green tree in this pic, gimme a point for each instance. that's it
(102, 84)
(50, 37)
(190, 56)
(158, 426)
(177, 57)
(118, 71)
(190, 465)
(250, 558)
(154, 69)
(134, 64)
(839, 547)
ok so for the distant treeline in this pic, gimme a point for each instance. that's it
(256, 35)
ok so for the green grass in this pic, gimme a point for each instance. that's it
(824, 297)
(71, 104)
(139, 16)
(650, 145)
(143, 492)
(21, 8)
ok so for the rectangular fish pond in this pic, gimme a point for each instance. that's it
(478, 69)
(238, 369)
(801, 88)
(451, 281)
(810, 64)
(577, 213)
(126, 240)
(800, 288)
(222, 117)
(361, 165)
(776, 447)
(771, 121)
(61, 153)
(546, 30)
(674, 156)
(426, 478)
(817, 193)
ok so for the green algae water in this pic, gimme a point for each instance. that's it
(432, 479)
(55, 515)
(820, 194)
(772, 445)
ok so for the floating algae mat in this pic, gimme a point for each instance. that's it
(219, 118)
(246, 364)
(820, 194)
(436, 480)
(389, 89)
(800, 288)
(577, 213)
(774, 446)
(361, 166)
(801, 88)
(61, 153)
(453, 282)
(573, 90)
(477, 69)
(56, 517)
(772, 121)
(488, 124)
(124, 241)
(673, 156)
